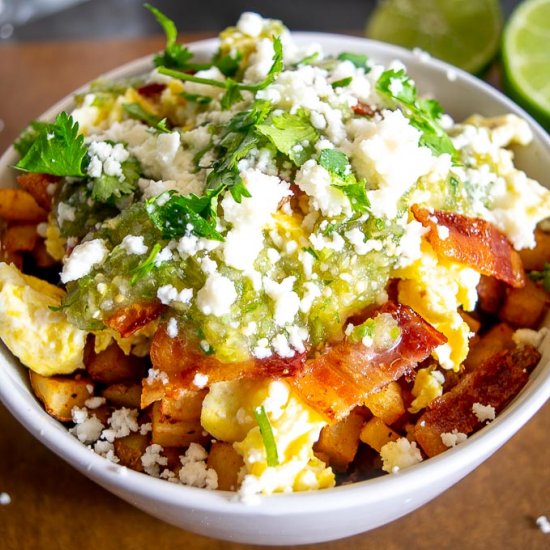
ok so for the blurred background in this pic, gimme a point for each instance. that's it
(29, 20)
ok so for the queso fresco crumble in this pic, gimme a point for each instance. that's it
(279, 268)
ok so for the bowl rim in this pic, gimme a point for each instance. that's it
(462, 457)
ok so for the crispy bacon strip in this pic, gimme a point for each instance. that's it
(363, 109)
(473, 242)
(181, 359)
(495, 382)
(128, 319)
(344, 375)
(37, 185)
(151, 90)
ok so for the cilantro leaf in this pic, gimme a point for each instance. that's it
(57, 149)
(292, 135)
(359, 60)
(343, 178)
(233, 88)
(334, 161)
(105, 188)
(227, 64)
(196, 98)
(342, 83)
(266, 432)
(135, 110)
(145, 267)
(423, 113)
(175, 56)
(174, 215)
(28, 137)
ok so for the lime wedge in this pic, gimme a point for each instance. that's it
(465, 33)
(526, 58)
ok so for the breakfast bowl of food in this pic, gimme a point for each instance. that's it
(276, 288)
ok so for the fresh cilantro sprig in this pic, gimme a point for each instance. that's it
(359, 60)
(53, 148)
(107, 188)
(337, 164)
(233, 88)
(542, 276)
(145, 267)
(175, 56)
(423, 114)
(292, 134)
(237, 140)
(266, 432)
(174, 215)
(342, 83)
(136, 111)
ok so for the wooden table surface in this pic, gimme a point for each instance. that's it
(54, 507)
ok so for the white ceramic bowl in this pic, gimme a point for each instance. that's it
(323, 515)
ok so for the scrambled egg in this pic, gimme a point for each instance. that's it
(227, 414)
(41, 338)
(435, 289)
(428, 384)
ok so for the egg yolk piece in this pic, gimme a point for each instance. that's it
(435, 289)
(42, 339)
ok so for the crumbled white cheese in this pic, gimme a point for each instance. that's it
(172, 328)
(216, 296)
(251, 24)
(399, 454)
(134, 244)
(65, 213)
(245, 239)
(167, 294)
(543, 524)
(529, 337)
(83, 259)
(194, 471)
(454, 438)
(200, 380)
(484, 413)
(5, 499)
(152, 459)
(287, 302)
(94, 402)
(315, 181)
(122, 422)
(87, 429)
(155, 374)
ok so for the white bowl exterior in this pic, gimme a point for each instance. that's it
(323, 515)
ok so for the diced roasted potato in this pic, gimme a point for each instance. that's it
(496, 339)
(123, 395)
(38, 185)
(495, 382)
(227, 462)
(60, 393)
(523, 307)
(185, 405)
(490, 294)
(129, 319)
(20, 238)
(170, 432)
(16, 205)
(376, 433)
(111, 366)
(130, 449)
(387, 403)
(339, 441)
(535, 258)
(473, 324)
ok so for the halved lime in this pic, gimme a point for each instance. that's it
(526, 58)
(465, 33)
